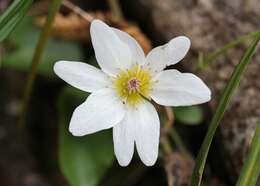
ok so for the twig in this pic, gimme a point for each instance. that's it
(116, 9)
(78, 10)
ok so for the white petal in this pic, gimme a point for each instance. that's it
(101, 110)
(111, 53)
(174, 88)
(147, 133)
(168, 54)
(81, 75)
(138, 56)
(124, 136)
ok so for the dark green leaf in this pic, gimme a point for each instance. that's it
(223, 103)
(83, 160)
(192, 115)
(22, 43)
(12, 16)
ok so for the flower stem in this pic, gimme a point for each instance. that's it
(169, 128)
(36, 60)
(116, 9)
(166, 146)
(179, 143)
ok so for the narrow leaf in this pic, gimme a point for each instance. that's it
(251, 168)
(204, 61)
(12, 16)
(224, 101)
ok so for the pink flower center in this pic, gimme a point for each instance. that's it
(133, 85)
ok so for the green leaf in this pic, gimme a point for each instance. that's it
(83, 160)
(191, 115)
(12, 16)
(251, 168)
(23, 41)
(223, 103)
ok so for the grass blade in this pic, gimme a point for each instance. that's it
(251, 167)
(12, 16)
(38, 52)
(204, 61)
(224, 101)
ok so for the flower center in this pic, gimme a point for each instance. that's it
(133, 85)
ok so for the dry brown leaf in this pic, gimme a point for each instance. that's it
(70, 27)
(74, 27)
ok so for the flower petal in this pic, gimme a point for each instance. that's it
(101, 110)
(168, 54)
(138, 56)
(173, 88)
(124, 136)
(147, 132)
(111, 53)
(81, 75)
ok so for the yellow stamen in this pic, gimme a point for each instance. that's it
(134, 84)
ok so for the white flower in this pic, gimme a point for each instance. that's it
(121, 90)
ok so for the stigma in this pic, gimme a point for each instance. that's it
(133, 85)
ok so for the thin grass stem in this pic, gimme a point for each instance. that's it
(204, 61)
(54, 7)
